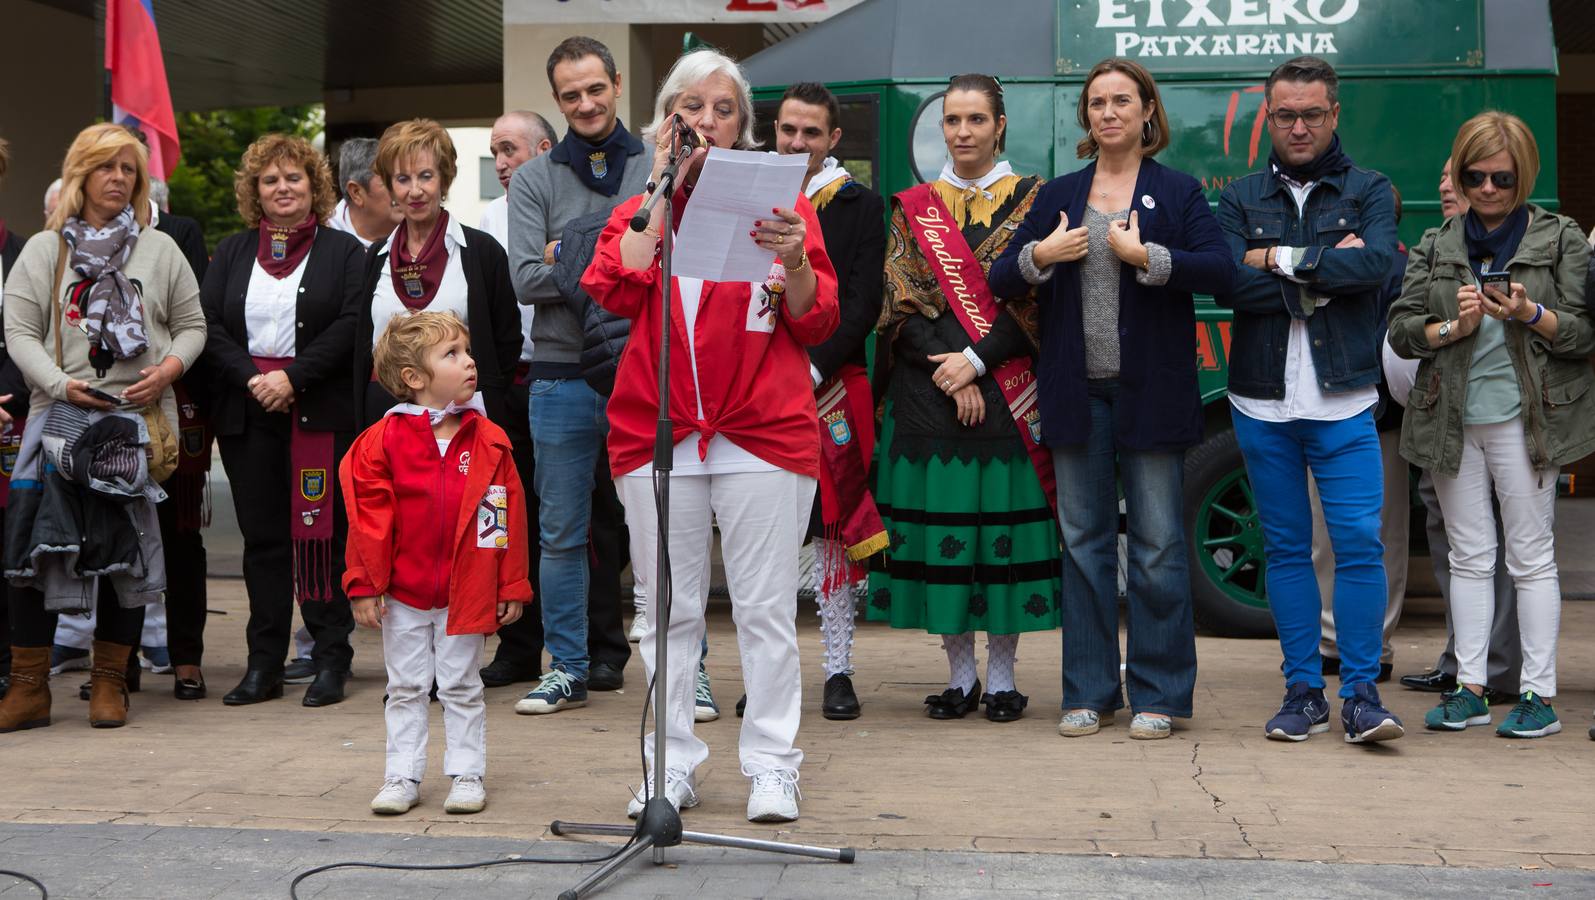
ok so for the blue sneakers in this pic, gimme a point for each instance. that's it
(555, 692)
(1304, 713)
(1365, 719)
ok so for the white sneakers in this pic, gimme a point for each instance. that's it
(680, 790)
(639, 624)
(467, 795)
(400, 795)
(774, 796)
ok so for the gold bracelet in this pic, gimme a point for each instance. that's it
(803, 263)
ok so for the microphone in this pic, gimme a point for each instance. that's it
(686, 135)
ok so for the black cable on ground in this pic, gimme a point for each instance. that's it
(43, 893)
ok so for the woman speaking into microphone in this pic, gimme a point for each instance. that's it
(744, 427)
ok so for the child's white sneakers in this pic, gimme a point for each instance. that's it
(398, 795)
(467, 795)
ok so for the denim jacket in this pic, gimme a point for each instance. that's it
(1259, 211)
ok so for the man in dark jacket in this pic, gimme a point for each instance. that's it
(1313, 234)
(852, 221)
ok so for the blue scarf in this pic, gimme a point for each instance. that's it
(599, 166)
(1329, 162)
(1498, 246)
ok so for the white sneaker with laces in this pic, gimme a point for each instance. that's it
(639, 624)
(398, 795)
(774, 796)
(467, 796)
(680, 790)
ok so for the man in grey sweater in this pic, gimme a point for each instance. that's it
(597, 165)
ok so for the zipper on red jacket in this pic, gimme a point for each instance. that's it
(443, 525)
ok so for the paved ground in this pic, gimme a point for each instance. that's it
(172, 863)
(1100, 814)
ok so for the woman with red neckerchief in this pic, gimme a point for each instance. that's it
(280, 304)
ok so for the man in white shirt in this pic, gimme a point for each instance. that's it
(1313, 236)
(366, 210)
(518, 137)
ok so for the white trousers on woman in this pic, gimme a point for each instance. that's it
(763, 517)
(417, 648)
(1499, 454)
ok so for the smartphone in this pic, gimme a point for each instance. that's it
(1500, 282)
(98, 394)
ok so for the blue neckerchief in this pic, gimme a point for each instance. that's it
(1332, 160)
(599, 166)
(1498, 246)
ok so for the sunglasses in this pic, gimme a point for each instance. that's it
(1473, 178)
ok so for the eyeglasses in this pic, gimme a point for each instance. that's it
(1285, 119)
(1473, 178)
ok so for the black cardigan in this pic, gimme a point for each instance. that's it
(491, 307)
(329, 294)
(11, 380)
(854, 227)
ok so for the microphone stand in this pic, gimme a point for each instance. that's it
(659, 825)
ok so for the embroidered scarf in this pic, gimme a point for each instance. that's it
(825, 184)
(190, 484)
(113, 311)
(847, 508)
(416, 279)
(973, 201)
(280, 249)
(1329, 162)
(311, 472)
(600, 166)
(1498, 246)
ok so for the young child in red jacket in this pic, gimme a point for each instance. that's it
(436, 557)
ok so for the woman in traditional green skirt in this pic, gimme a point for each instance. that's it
(974, 541)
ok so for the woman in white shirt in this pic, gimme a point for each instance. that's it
(280, 301)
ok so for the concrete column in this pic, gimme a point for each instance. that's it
(51, 65)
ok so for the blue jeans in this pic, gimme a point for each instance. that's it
(1160, 675)
(568, 428)
(1345, 463)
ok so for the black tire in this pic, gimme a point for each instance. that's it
(1216, 489)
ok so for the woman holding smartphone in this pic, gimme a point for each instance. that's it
(1493, 306)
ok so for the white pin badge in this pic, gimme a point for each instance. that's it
(1148, 202)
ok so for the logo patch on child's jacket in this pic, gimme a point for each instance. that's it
(493, 519)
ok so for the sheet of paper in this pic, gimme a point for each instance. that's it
(735, 188)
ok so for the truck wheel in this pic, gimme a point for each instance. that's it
(1225, 537)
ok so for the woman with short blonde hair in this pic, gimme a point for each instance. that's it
(1493, 306)
(102, 314)
(280, 299)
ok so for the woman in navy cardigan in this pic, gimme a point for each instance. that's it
(1116, 250)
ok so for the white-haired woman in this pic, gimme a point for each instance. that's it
(124, 323)
(746, 451)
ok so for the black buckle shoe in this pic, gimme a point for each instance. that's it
(602, 676)
(1005, 706)
(189, 688)
(1433, 681)
(326, 690)
(501, 672)
(742, 705)
(840, 701)
(953, 703)
(257, 687)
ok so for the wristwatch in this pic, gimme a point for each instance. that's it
(1445, 331)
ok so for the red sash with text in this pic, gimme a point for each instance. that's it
(312, 466)
(963, 282)
(847, 508)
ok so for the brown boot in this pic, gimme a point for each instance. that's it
(108, 700)
(27, 704)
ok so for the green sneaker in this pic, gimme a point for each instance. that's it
(1532, 717)
(1457, 710)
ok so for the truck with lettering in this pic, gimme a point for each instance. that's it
(1411, 72)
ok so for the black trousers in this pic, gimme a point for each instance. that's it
(33, 626)
(185, 588)
(521, 643)
(259, 470)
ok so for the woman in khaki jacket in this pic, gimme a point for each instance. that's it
(115, 323)
(1493, 305)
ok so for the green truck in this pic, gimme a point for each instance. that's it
(1411, 72)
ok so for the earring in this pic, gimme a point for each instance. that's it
(1146, 132)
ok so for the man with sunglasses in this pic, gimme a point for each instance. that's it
(1314, 235)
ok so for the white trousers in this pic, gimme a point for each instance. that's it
(417, 649)
(1498, 454)
(763, 517)
(74, 630)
